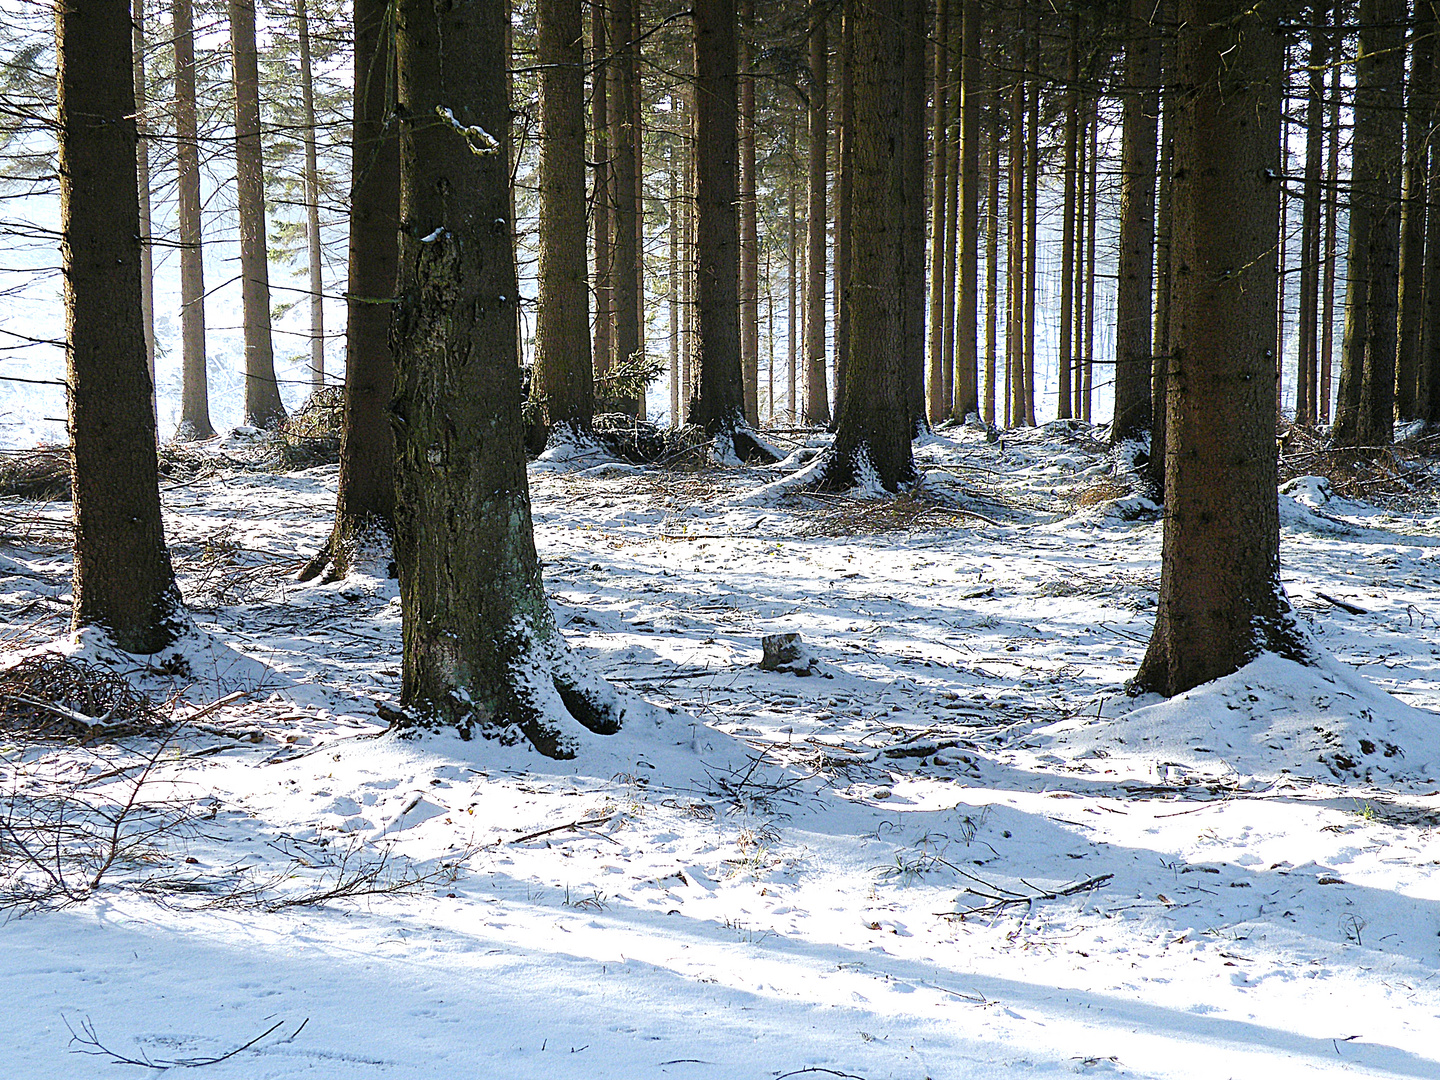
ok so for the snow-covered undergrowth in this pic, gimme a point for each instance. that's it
(957, 850)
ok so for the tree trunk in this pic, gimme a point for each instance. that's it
(687, 265)
(1283, 239)
(1015, 248)
(718, 404)
(312, 204)
(625, 181)
(1365, 414)
(1306, 364)
(194, 385)
(792, 322)
(1087, 389)
(481, 648)
(938, 404)
(1032, 201)
(142, 179)
(1220, 597)
(262, 392)
(844, 200)
(972, 95)
(872, 439)
(1164, 240)
(1067, 228)
(992, 261)
(913, 185)
(949, 213)
(365, 497)
(749, 235)
(123, 582)
(604, 194)
(1137, 226)
(1332, 205)
(674, 228)
(1078, 257)
(817, 397)
(562, 385)
(1418, 107)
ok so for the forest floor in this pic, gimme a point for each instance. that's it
(957, 849)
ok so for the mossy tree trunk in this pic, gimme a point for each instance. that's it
(123, 580)
(481, 650)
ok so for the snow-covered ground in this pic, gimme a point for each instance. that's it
(956, 850)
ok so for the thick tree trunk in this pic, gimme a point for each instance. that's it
(872, 439)
(718, 403)
(481, 648)
(844, 200)
(913, 162)
(312, 203)
(1133, 297)
(938, 403)
(1220, 597)
(365, 497)
(1365, 413)
(949, 213)
(142, 180)
(562, 385)
(194, 384)
(625, 187)
(1306, 365)
(817, 396)
(749, 236)
(123, 582)
(262, 392)
(1418, 107)
(687, 267)
(972, 95)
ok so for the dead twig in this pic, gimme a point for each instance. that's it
(89, 1043)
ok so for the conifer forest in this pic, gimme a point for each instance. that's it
(731, 540)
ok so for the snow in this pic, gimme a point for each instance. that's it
(761, 873)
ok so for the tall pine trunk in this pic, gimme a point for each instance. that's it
(937, 403)
(123, 582)
(1067, 228)
(142, 179)
(1332, 243)
(194, 382)
(844, 200)
(625, 187)
(262, 391)
(1306, 366)
(1133, 296)
(562, 384)
(312, 203)
(992, 260)
(749, 234)
(1414, 213)
(1220, 598)
(972, 96)
(1032, 202)
(603, 198)
(817, 396)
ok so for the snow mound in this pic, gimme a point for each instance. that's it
(1273, 716)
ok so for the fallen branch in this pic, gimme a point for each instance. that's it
(999, 903)
(1342, 605)
(585, 824)
(90, 1044)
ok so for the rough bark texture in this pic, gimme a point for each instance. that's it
(1418, 106)
(1087, 375)
(844, 200)
(194, 383)
(817, 394)
(872, 439)
(1032, 205)
(940, 383)
(718, 402)
(1332, 245)
(1220, 596)
(992, 263)
(1364, 414)
(1137, 225)
(1164, 267)
(365, 498)
(262, 391)
(912, 133)
(312, 204)
(480, 646)
(1067, 228)
(604, 195)
(142, 180)
(123, 581)
(562, 384)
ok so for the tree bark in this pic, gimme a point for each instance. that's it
(1332, 205)
(194, 387)
(937, 402)
(481, 651)
(123, 582)
(262, 392)
(1067, 228)
(365, 496)
(972, 95)
(1087, 389)
(793, 277)
(872, 439)
(1015, 249)
(1137, 226)
(1032, 202)
(1365, 412)
(604, 196)
(142, 179)
(1418, 107)
(844, 200)
(562, 385)
(1220, 596)
(1077, 315)
(817, 396)
(312, 204)
(1164, 265)
(1306, 366)
(992, 262)
(913, 185)
(749, 236)
(625, 187)
(674, 226)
